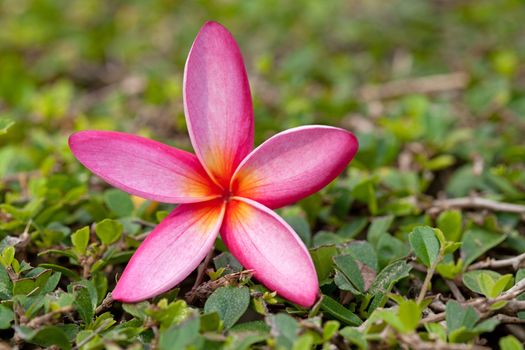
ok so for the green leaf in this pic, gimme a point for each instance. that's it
(108, 231)
(284, 328)
(378, 227)
(229, 302)
(80, 240)
(437, 329)
(510, 343)
(501, 285)
(450, 269)
(354, 336)
(210, 322)
(348, 266)
(181, 336)
(324, 265)
(409, 314)
(450, 223)
(83, 304)
(486, 284)
(5, 124)
(118, 202)
(63, 270)
(390, 248)
(425, 244)
(32, 284)
(51, 335)
(6, 317)
(333, 308)
(342, 282)
(304, 342)
(492, 285)
(458, 316)
(477, 242)
(364, 252)
(8, 255)
(168, 314)
(471, 279)
(390, 275)
(330, 329)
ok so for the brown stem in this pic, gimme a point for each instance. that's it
(515, 262)
(200, 275)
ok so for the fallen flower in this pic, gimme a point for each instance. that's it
(226, 187)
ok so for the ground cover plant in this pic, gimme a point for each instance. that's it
(419, 244)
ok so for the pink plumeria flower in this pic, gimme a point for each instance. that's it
(227, 187)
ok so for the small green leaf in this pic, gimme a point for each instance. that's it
(450, 269)
(436, 329)
(181, 336)
(324, 265)
(6, 317)
(84, 305)
(458, 316)
(330, 329)
(425, 244)
(5, 124)
(409, 314)
(333, 308)
(486, 284)
(284, 328)
(80, 240)
(501, 285)
(8, 255)
(51, 335)
(230, 303)
(348, 266)
(210, 322)
(304, 342)
(471, 279)
(364, 252)
(118, 202)
(354, 336)
(450, 223)
(390, 275)
(477, 242)
(108, 231)
(378, 227)
(510, 343)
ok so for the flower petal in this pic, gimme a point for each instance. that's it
(217, 102)
(294, 164)
(171, 251)
(264, 242)
(143, 167)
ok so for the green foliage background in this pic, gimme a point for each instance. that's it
(458, 132)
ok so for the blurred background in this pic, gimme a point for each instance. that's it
(435, 90)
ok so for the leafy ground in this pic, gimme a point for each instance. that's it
(419, 245)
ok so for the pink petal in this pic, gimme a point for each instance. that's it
(171, 252)
(143, 167)
(217, 102)
(264, 242)
(294, 164)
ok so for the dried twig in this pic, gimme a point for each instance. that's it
(476, 202)
(413, 341)
(424, 85)
(515, 262)
(204, 290)
(200, 275)
(455, 290)
(106, 303)
(41, 320)
(483, 304)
